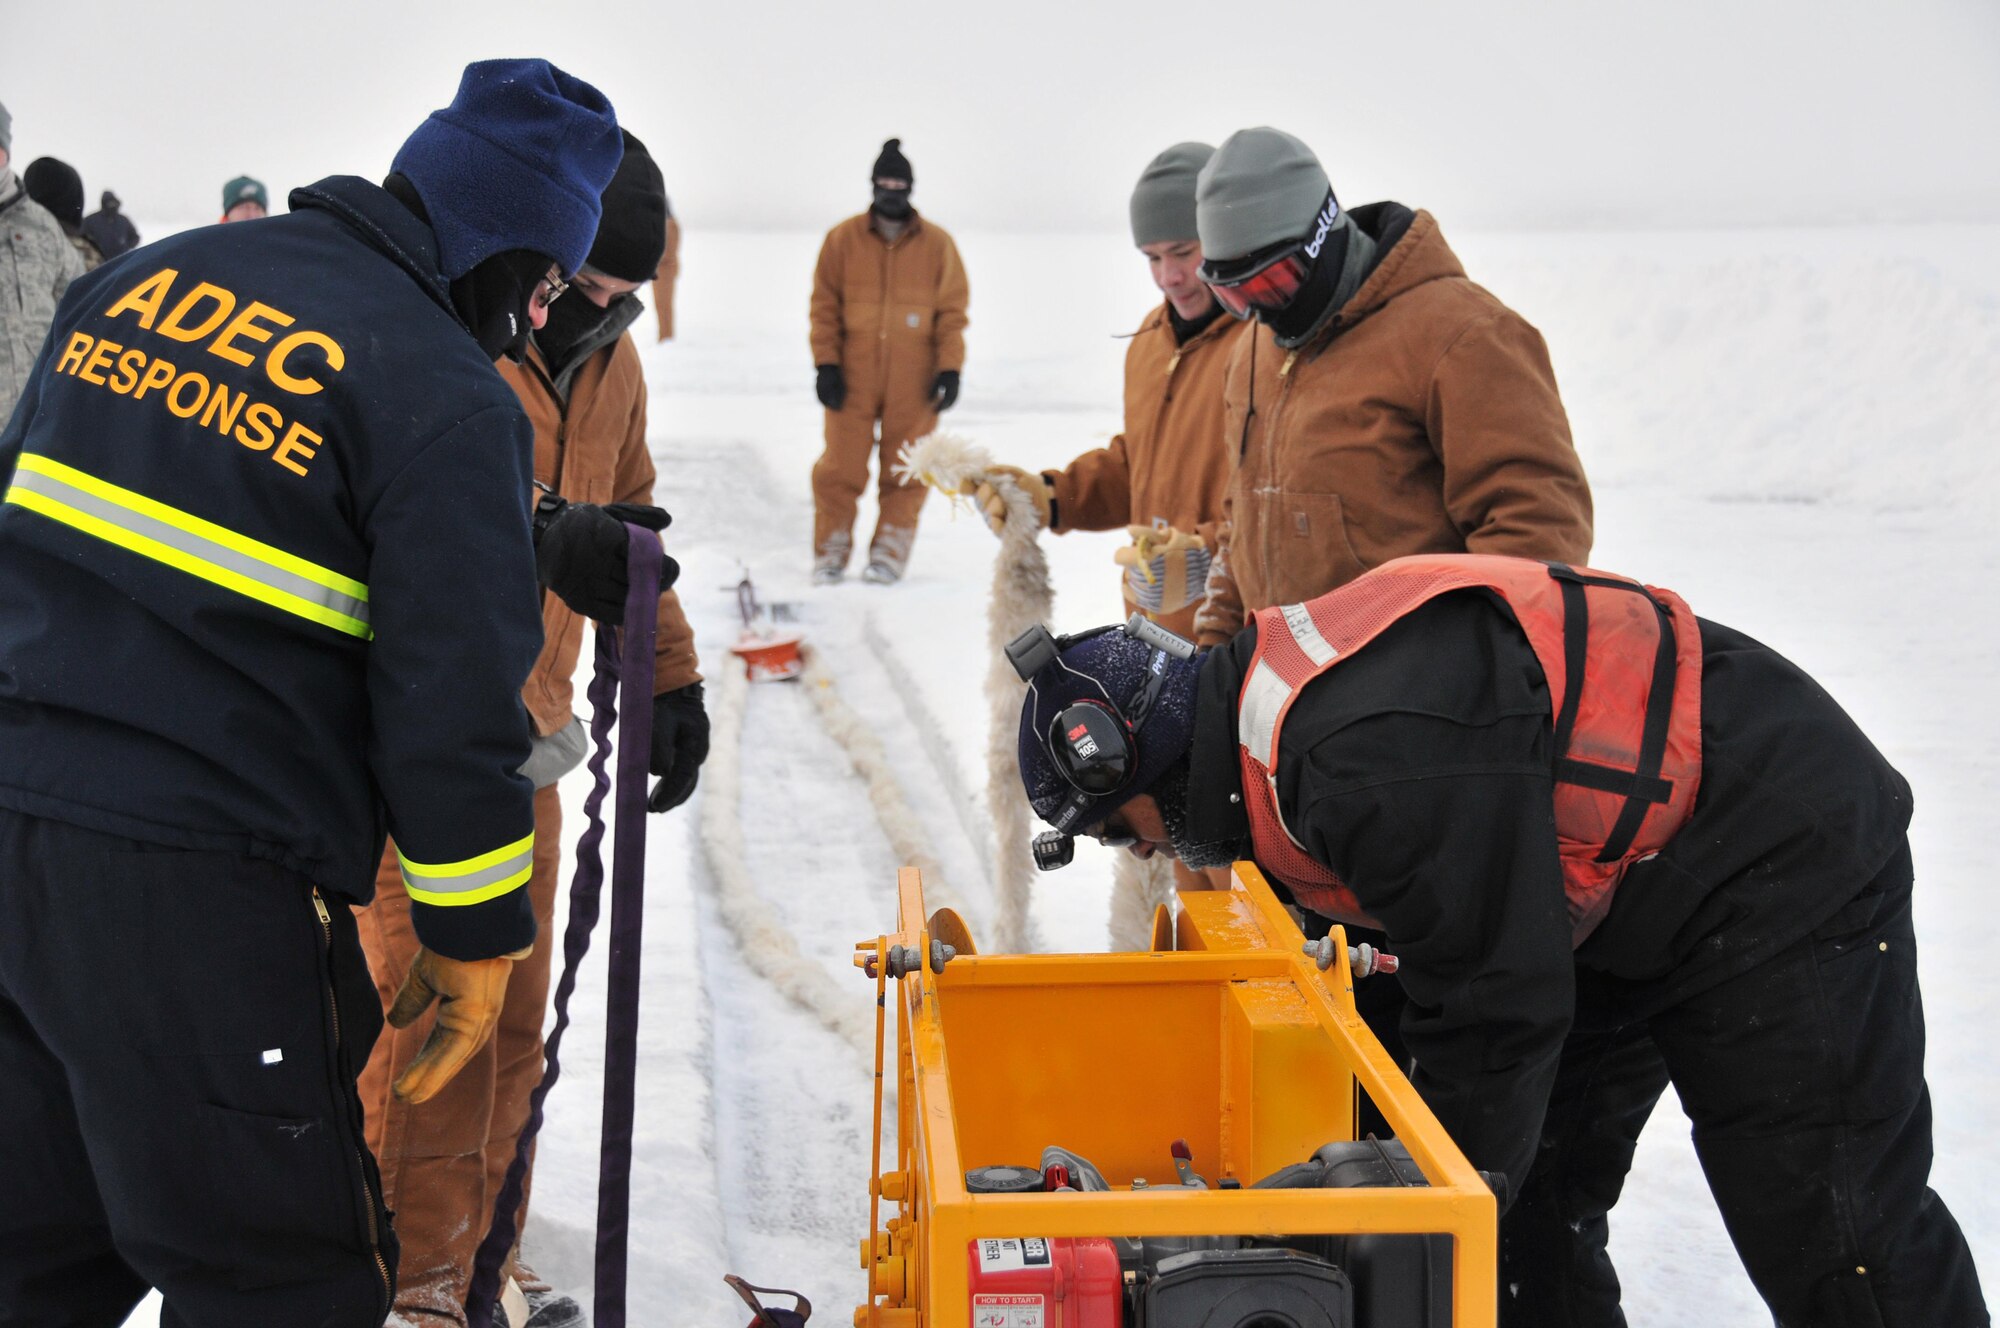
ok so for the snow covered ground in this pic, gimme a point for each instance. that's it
(1796, 430)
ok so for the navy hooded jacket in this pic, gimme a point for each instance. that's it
(266, 579)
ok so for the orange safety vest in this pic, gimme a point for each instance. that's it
(1627, 737)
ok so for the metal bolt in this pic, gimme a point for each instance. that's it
(1321, 951)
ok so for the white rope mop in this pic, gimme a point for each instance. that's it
(1022, 597)
(767, 945)
(900, 822)
(1137, 888)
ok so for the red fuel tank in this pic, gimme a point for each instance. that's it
(1036, 1283)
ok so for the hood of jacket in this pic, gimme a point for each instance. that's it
(374, 214)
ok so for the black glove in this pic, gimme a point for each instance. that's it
(580, 555)
(680, 745)
(831, 387)
(944, 392)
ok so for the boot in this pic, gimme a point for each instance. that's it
(889, 555)
(830, 564)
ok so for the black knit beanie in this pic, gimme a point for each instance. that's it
(892, 164)
(56, 186)
(632, 234)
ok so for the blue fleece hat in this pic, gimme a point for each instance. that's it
(518, 160)
(1106, 666)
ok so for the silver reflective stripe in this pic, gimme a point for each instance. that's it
(1264, 696)
(417, 879)
(1306, 632)
(146, 529)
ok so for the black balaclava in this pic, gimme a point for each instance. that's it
(1170, 792)
(1344, 261)
(573, 320)
(893, 204)
(492, 299)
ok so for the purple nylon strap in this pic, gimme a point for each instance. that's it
(623, 681)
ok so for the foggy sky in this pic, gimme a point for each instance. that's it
(1038, 115)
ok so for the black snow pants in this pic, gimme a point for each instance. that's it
(1804, 1080)
(179, 1033)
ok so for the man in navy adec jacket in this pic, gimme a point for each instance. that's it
(267, 591)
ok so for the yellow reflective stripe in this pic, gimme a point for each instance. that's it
(473, 880)
(208, 530)
(184, 541)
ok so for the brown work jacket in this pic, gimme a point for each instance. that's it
(890, 315)
(1423, 419)
(1172, 462)
(593, 451)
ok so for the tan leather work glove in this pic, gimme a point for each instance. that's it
(1152, 542)
(994, 508)
(469, 993)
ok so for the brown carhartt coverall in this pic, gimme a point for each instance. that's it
(1423, 419)
(891, 315)
(1171, 464)
(443, 1162)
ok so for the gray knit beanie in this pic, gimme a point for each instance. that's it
(1163, 200)
(6, 131)
(1261, 186)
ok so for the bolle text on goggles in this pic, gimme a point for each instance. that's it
(1091, 741)
(1265, 281)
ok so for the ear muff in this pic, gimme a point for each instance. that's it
(1093, 748)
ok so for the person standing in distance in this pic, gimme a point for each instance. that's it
(888, 341)
(42, 263)
(244, 199)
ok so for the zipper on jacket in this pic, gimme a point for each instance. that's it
(360, 1163)
(1270, 457)
(882, 317)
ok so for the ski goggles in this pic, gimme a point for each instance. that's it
(1262, 282)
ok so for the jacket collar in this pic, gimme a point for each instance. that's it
(385, 225)
(1409, 251)
(1412, 251)
(1215, 775)
(910, 227)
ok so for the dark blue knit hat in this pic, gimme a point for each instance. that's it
(518, 160)
(1105, 666)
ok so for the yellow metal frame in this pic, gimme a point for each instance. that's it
(1235, 1041)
